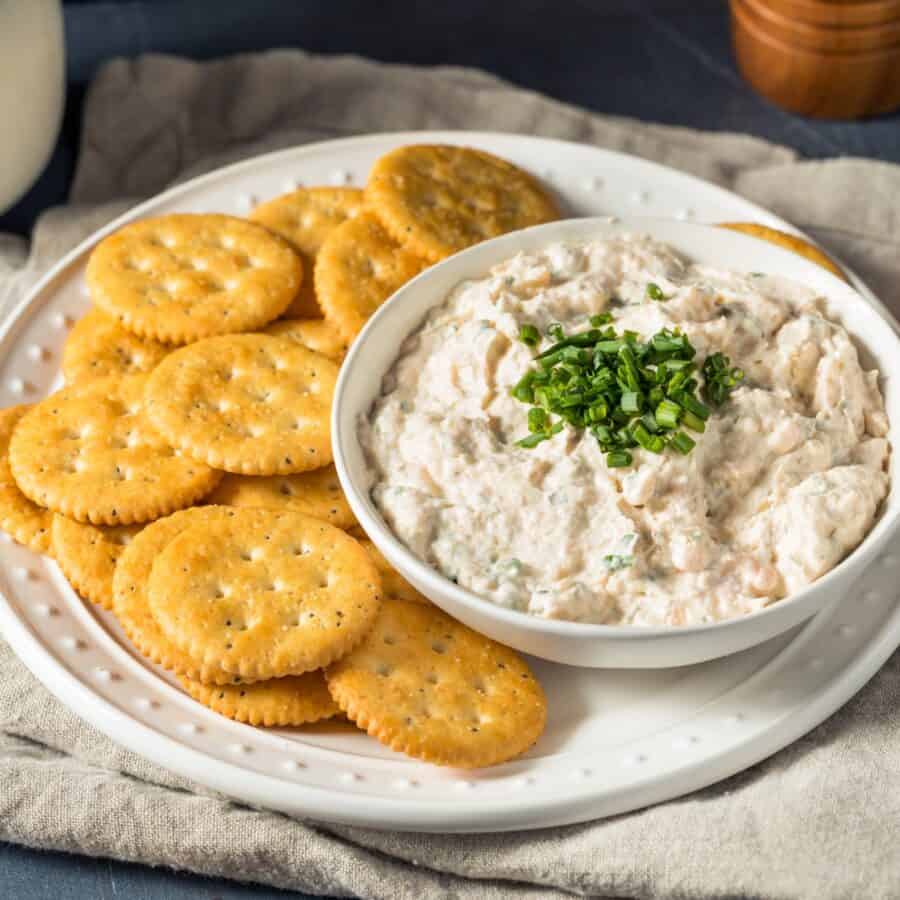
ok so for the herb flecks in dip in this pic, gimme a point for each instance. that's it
(784, 481)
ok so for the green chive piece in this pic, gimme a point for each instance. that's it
(618, 459)
(555, 330)
(537, 420)
(616, 561)
(523, 394)
(532, 440)
(529, 335)
(682, 443)
(692, 404)
(632, 401)
(601, 319)
(693, 422)
(720, 378)
(667, 414)
(654, 291)
(641, 435)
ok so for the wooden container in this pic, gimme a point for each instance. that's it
(837, 13)
(823, 83)
(834, 39)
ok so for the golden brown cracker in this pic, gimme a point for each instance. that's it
(790, 242)
(87, 555)
(90, 453)
(130, 604)
(246, 403)
(304, 218)
(316, 493)
(265, 594)
(393, 585)
(317, 335)
(357, 269)
(22, 519)
(437, 199)
(425, 685)
(186, 276)
(277, 702)
(98, 346)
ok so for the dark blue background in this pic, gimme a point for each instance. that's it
(660, 60)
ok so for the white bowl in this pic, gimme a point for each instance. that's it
(376, 349)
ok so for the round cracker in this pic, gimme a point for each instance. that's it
(304, 218)
(265, 594)
(186, 276)
(23, 520)
(130, 604)
(98, 346)
(437, 199)
(317, 493)
(317, 335)
(428, 686)
(357, 269)
(393, 585)
(87, 555)
(790, 242)
(90, 453)
(246, 403)
(277, 702)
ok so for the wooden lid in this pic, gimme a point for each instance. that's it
(823, 37)
(837, 13)
(821, 83)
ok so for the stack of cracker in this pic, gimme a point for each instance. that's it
(182, 478)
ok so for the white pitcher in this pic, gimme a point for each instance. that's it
(32, 91)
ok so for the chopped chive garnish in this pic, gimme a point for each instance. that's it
(616, 561)
(654, 291)
(555, 330)
(720, 379)
(667, 414)
(627, 392)
(692, 404)
(693, 422)
(632, 401)
(682, 443)
(618, 459)
(529, 335)
(532, 440)
(537, 420)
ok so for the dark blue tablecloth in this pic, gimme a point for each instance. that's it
(660, 60)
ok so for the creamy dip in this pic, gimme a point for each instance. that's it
(785, 481)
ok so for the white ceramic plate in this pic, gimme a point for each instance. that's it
(616, 740)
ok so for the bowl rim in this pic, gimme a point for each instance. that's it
(402, 558)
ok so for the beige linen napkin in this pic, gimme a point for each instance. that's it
(820, 819)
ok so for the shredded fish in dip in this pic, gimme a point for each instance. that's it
(786, 480)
